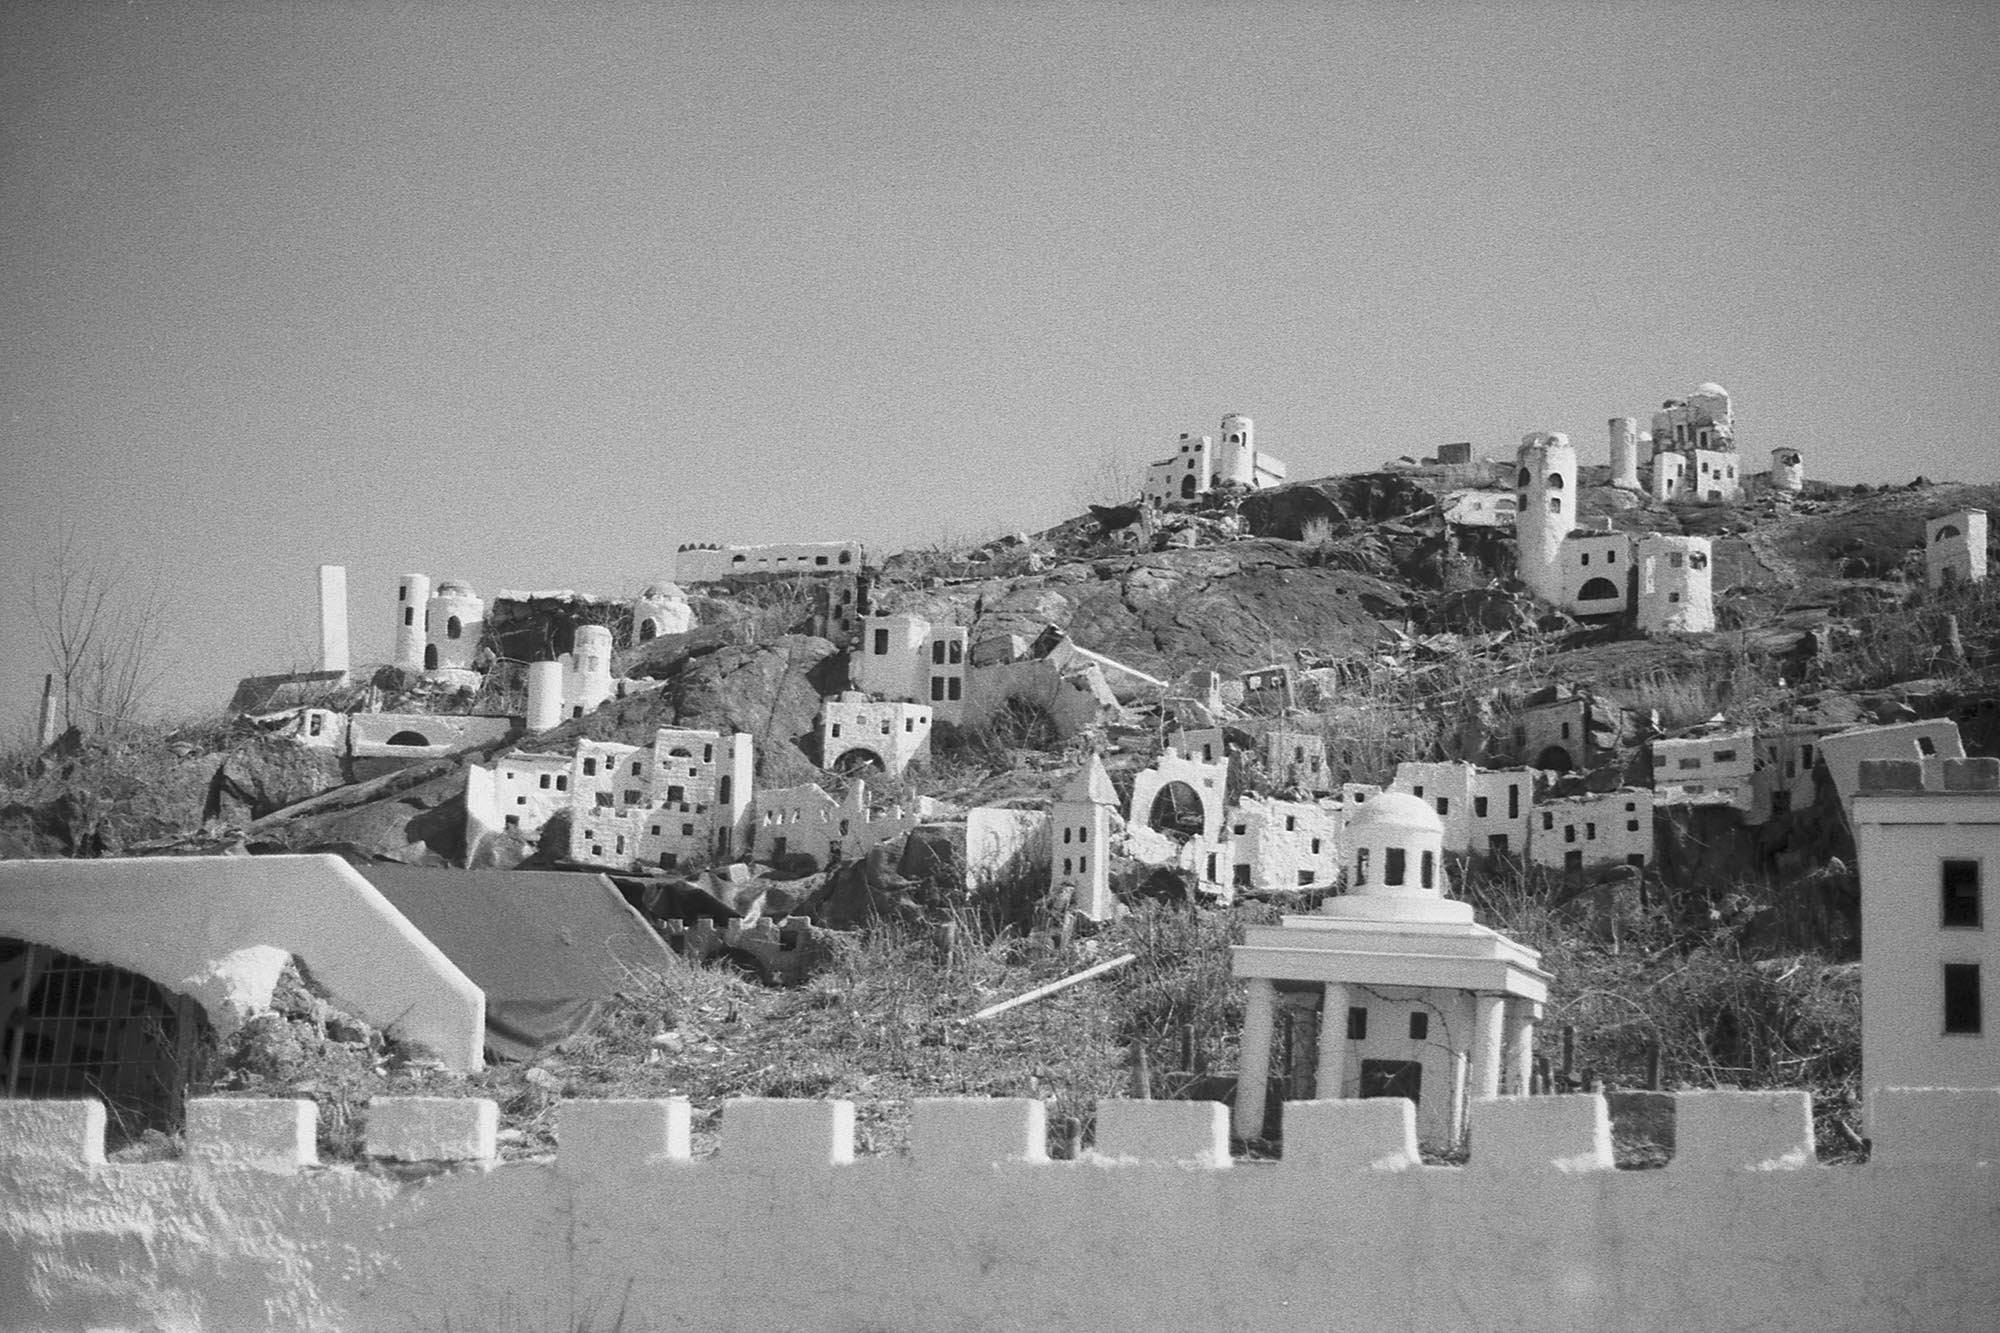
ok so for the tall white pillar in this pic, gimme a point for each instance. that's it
(1332, 1075)
(1489, 1014)
(1253, 1061)
(333, 617)
(1521, 1046)
(545, 695)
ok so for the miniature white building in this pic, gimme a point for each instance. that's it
(1703, 420)
(1927, 851)
(1198, 465)
(1593, 830)
(545, 695)
(456, 616)
(1410, 985)
(1480, 509)
(1080, 841)
(1715, 769)
(1482, 811)
(1297, 759)
(1788, 471)
(687, 797)
(1545, 492)
(517, 793)
(1786, 759)
(1928, 744)
(1694, 449)
(711, 564)
(1596, 566)
(805, 821)
(889, 734)
(1625, 453)
(413, 595)
(1955, 548)
(333, 618)
(1206, 744)
(661, 609)
(907, 657)
(1279, 845)
(1181, 797)
(1676, 585)
(1667, 481)
(1270, 688)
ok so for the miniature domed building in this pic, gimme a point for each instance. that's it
(1410, 985)
(661, 609)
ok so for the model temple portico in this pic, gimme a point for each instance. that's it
(1412, 989)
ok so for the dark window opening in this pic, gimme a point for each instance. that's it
(1420, 1026)
(1959, 881)
(1392, 1078)
(1357, 1023)
(1961, 998)
(1394, 867)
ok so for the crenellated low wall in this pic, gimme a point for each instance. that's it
(784, 1229)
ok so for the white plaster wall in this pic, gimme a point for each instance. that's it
(454, 600)
(1502, 805)
(662, 609)
(805, 820)
(1297, 759)
(1788, 470)
(172, 918)
(1676, 585)
(333, 617)
(545, 691)
(1209, 782)
(1901, 843)
(1961, 556)
(709, 564)
(528, 789)
(1585, 558)
(1079, 836)
(896, 733)
(975, 1229)
(368, 734)
(1279, 841)
(1706, 768)
(1194, 456)
(1929, 743)
(586, 671)
(1713, 476)
(1608, 828)
(888, 663)
(1669, 473)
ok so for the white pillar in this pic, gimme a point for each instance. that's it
(1521, 1045)
(545, 695)
(1332, 1042)
(1253, 1061)
(333, 618)
(1488, 1015)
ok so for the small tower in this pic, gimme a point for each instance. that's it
(1236, 455)
(1675, 585)
(661, 609)
(1955, 548)
(545, 695)
(1788, 471)
(586, 671)
(1625, 453)
(333, 618)
(413, 595)
(457, 617)
(1080, 841)
(1545, 510)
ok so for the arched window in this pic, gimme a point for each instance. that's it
(1555, 504)
(430, 657)
(1525, 477)
(1945, 533)
(453, 628)
(410, 738)
(1555, 481)
(647, 629)
(1187, 488)
(1598, 590)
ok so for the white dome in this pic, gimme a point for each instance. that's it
(1711, 390)
(663, 591)
(1395, 810)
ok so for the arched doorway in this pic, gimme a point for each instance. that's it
(1178, 812)
(859, 762)
(647, 631)
(1187, 487)
(430, 657)
(1599, 589)
(411, 738)
(1554, 758)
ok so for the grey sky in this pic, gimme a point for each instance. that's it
(531, 294)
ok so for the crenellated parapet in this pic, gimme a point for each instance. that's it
(975, 1226)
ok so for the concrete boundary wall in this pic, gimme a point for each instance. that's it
(975, 1228)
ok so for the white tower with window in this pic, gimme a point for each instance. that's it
(1080, 841)
(1545, 510)
(1788, 471)
(1676, 585)
(413, 595)
(457, 617)
(1955, 548)
(1625, 453)
(1236, 452)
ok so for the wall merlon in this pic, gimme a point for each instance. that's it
(1742, 1131)
(432, 1129)
(778, 1134)
(978, 1131)
(1887, 775)
(56, 1133)
(1184, 1133)
(1980, 774)
(610, 1137)
(262, 1133)
(1340, 1136)
(1568, 1133)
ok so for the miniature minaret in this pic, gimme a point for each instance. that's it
(1625, 453)
(1545, 511)
(457, 617)
(545, 695)
(413, 595)
(586, 672)
(333, 618)
(1080, 841)
(1236, 458)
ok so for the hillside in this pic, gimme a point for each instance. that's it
(1734, 948)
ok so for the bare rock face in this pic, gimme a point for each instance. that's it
(1367, 498)
(262, 776)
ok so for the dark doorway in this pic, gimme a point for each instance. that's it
(1177, 812)
(1556, 758)
(1392, 1078)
